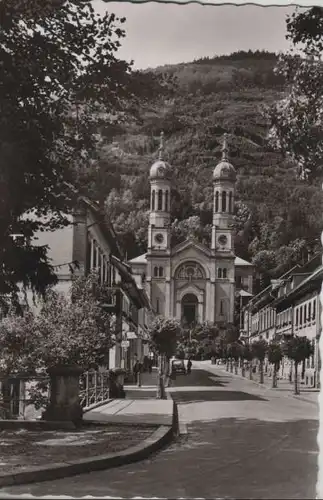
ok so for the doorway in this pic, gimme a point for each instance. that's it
(189, 309)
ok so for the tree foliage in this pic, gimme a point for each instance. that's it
(297, 119)
(164, 333)
(259, 349)
(298, 349)
(275, 352)
(70, 329)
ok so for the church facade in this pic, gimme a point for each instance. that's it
(192, 282)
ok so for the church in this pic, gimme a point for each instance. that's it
(190, 281)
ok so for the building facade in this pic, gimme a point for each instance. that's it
(190, 281)
(290, 306)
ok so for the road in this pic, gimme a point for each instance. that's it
(243, 441)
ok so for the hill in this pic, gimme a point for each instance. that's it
(278, 218)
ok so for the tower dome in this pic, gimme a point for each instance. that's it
(224, 171)
(160, 169)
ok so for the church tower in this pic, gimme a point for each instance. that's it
(224, 178)
(159, 235)
(222, 244)
(159, 217)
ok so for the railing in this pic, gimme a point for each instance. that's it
(94, 388)
(20, 395)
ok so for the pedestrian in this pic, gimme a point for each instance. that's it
(150, 366)
(135, 370)
(189, 366)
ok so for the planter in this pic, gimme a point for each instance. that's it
(64, 402)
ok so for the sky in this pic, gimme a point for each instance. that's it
(159, 34)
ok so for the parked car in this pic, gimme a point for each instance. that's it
(178, 366)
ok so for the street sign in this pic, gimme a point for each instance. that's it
(125, 344)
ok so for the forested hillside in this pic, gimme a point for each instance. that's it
(278, 217)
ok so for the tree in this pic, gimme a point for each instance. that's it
(259, 349)
(298, 349)
(234, 351)
(164, 333)
(296, 121)
(275, 355)
(248, 355)
(62, 85)
(206, 334)
(72, 329)
(18, 352)
(75, 329)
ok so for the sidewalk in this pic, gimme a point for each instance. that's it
(136, 412)
(148, 386)
(284, 388)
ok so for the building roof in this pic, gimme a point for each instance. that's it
(241, 262)
(105, 225)
(310, 283)
(142, 259)
(244, 293)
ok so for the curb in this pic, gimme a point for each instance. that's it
(153, 443)
(97, 405)
(264, 386)
(180, 428)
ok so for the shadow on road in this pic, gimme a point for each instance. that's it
(194, 397)
(201, 378)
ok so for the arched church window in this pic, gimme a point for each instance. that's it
(166, 201)
(190, 271)
(224, 273)
(221, 307)
(224, 201)
(230, 203)
(157, 306)
(153, 200)
(217, 201)
(161, 272)
(219, 272)
(155, 271)
(160, 200)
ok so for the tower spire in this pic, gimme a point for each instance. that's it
(161, 146)
(225, 149)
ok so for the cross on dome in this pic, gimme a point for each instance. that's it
(161, 146)
(225, 149)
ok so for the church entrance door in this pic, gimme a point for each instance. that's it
(189, 309)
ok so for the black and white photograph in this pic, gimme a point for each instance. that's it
(161, 215)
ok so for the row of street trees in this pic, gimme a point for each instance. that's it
(297, 349)
(168, 338)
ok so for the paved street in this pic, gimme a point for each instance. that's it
(243, 441)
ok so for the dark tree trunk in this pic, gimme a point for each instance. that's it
(296, 388)
(276, 368)
(261, 369)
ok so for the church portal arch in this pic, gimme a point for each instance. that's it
(189, 309)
